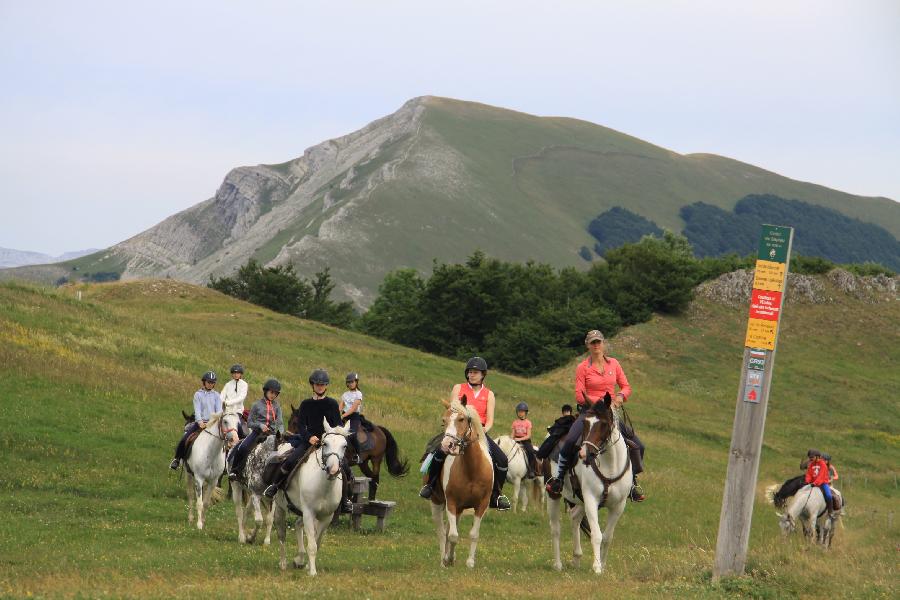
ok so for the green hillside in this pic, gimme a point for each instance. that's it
(92, 391)
(439, 179)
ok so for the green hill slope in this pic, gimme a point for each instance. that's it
(439, 179)
(92, 391)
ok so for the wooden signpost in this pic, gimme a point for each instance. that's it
(753, 398)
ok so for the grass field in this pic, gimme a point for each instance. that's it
(91, 392)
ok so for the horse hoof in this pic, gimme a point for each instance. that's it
(557, 566)
(470, 563)
(283, 564)
(242, 539)
(267, 541)
(299, 563)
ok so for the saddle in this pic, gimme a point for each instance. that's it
(366, 439)
(189, 443)
(276, 461)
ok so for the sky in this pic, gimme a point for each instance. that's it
(115, 115)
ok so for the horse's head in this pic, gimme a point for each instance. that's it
(334, 445)
(787, 524)
(228, 424)
(294, 421)
(188, 418)
(600, 424)
(459, 427)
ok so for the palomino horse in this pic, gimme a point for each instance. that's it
(604, 471)
(383, 446)
(466, 481)
(247, 491)
(315, 490)
(518, 469)
(207, 462)
(808, 507)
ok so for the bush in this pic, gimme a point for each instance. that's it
(282, 290)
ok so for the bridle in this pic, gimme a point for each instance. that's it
(462, 442)
(323, 462)
(223, 432)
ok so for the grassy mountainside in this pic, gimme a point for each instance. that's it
(92, 391)
(436, 180)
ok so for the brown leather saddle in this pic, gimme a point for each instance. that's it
(189, 443)
(276, 461)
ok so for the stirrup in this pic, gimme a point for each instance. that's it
(271, 491)
(502, 503)
(637, 493)
(176, 462)
(426, 491)
(346, 506)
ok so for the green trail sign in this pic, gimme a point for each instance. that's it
(774, 242)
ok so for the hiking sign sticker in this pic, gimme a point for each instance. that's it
(757, 360)
(753, 386)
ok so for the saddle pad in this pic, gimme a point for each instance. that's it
(366, 440)
(189, 444)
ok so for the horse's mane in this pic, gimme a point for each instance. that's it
(471, 414)
(214, 418)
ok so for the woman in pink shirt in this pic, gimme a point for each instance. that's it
(596, 376)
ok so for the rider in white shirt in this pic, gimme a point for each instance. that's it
(234, 392)
(351, 409)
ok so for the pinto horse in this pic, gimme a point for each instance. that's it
(604, 471)
(466, 481)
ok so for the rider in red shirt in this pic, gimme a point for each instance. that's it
(817, 475)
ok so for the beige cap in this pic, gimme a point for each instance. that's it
(593, 335)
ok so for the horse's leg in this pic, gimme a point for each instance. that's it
(270, 514)
(437, 515)
(281, 530)
(611, 519)
(312, 541)
(526, 488)
(257, 516)
(452, 535)
(192, 497)
(473, 539)
(201, 494)
(576, 513)
(300, 527)
(517, 485)
(237, 496)
(593, 519)
(553, 510)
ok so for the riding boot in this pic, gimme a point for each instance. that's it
(434, 471)
(346, 503)
(278, 481)
(498, 500)
(555, 485)
(354, 442)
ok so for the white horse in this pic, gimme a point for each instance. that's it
(316, 491)
(807, 507)
(247, 491)
(604, 470)
(207, 463)
(517, 470)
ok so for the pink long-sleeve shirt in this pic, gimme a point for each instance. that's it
(597, 379)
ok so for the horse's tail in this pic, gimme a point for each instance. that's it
(396, 467)
(771, 496)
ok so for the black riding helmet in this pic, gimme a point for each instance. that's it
(812, 452)
(319, 376)
(477, 363)
(208, 376)
(352, 377)
(238, 368)
(521, 406)
(273, 385)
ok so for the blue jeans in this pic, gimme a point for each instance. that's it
(188, 430)
(826, 491)
(238, 455)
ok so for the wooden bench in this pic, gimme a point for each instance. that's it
(359, 495)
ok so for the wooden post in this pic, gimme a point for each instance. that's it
(753, 399)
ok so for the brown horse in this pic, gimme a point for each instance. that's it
(385, 446)
(466, 481)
